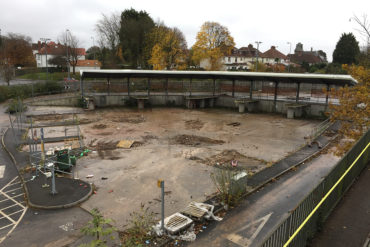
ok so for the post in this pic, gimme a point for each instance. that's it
(82, 86)
(42, 148)
(148, 86)
(327, 94)
(128, 86)
(160, 184)
(11, 124)
(68, 64)
(298, 88)
(214, 86)
(108, 84)
(251, 90)
(166, 87)
(191, 81)
(233, 90)
(275, 94)
(53, 190)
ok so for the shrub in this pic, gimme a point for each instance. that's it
(140, 228)
(230, 191)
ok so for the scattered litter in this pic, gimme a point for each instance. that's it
(110, 191)
(124, 144)
(176, 222)
(234, 124)
(199, 210)
(81, 184)
(33, 177)
(204, 227)
(147, 241)
(95, 192)
(35, 213)
(104, 178)
(45, 186)
(90, 176)
(234, 163)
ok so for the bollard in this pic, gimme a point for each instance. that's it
(160, 184)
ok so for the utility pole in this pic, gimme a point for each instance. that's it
(68, 67)
(258, 45)
(46, 51)
(290, 53)
(94, 51)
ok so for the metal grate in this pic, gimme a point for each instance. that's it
(176, 223)
(198, 210)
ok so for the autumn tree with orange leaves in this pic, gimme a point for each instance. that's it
(169, 50)
(353, 109)
(213, 41)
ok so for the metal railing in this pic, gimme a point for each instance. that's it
(303, 222)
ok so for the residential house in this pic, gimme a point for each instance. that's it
(241, 59)
(273, 56)
(311, 57)
(44, 52)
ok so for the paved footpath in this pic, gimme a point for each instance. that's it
(251, 222)
(349, 223)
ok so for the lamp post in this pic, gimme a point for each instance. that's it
(93, 50)
(68, 67)
(258, 45)
(290, 52)
(46, 52)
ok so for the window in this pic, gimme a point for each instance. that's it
(236, 59)
(228, 59)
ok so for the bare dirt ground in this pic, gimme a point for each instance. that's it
(180, 146)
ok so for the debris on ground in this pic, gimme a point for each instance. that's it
(194, 124)
(99, 126)
(193, 140)
(125, 144)
(90, 176)
(231, 157)
(134, 119)
(137, 144)
(234, 124)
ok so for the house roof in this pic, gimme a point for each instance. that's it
(273, 53)
(246, 51)
(53, 48)
(307, 57)
(88, 63)
(255, 76)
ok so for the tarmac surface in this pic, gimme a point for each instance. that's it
(70, 191)
(349, 223)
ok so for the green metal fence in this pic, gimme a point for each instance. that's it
(301, 225)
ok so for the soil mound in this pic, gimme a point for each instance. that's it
(193, 140)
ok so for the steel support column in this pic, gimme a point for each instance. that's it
(298, 88)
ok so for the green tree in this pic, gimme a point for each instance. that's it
(99, 228)
(134, 28)
(346, 50)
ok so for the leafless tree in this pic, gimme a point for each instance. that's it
(364, 29)
(72, 43)
(107, 29)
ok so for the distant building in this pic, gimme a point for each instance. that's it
(87, 64)
(242, 58)
(51, 50)
(273, 56)
(311, 57)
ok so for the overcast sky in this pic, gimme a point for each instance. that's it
(316, 24)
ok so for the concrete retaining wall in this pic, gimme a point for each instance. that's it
(160, 99)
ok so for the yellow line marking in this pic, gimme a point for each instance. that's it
(324, 198)
(6, 226)
(11, 198)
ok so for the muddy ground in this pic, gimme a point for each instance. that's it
(180, 146)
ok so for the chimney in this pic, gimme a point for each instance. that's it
(273, 47)
(311, 49)
(39, 45)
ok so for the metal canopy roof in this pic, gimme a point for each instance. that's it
(255, 76)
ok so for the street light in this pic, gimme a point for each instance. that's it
(258, 45)
(290, 53)
(68, 65)
(46, 51)
(93, 47)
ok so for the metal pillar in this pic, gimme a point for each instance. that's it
(108, 85)
(128, 86)
(233, 92)
(251, 90)
(166, 87)
(53, 190)
(148, 86)
(275, 94)
(82, 86)
(191, 81)
(327, 94)
(214, 86)
(298, 88)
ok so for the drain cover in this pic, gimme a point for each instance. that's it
(176, 223)
(198, 210)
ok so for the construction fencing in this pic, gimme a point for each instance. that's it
(307, 218)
